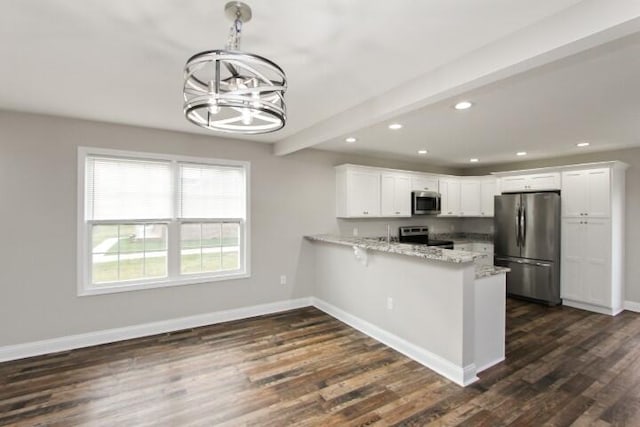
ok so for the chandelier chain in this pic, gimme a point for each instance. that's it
(233, 43)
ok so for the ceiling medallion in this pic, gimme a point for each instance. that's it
(233, 91)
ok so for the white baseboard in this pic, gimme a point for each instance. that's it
(632, 306)
(489, 364)
(20, 351)
(460, 375)
(592, 307)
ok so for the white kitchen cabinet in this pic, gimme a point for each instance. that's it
(480, 247)
(586, 262)
(450, 196)
(530, 182)
(357, 192)
(470, 199)
(424, 183)
(592, 249)
(488, 190)
(463, 246)
(586, 193)
(395, 195)
(484, 247)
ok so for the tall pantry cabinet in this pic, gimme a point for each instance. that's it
(593, 213)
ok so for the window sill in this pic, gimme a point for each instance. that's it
(128, 287)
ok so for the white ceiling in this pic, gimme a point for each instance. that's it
(121, 61)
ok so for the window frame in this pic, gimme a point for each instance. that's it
(174, 277)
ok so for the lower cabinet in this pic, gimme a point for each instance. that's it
(586, 266)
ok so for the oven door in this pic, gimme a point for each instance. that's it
(425, 203)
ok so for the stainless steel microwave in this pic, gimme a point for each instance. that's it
(425, 203)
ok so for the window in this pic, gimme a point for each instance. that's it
(151, 220)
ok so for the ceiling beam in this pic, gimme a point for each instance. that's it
(576, 29)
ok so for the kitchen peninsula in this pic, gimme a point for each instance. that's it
(441, 307)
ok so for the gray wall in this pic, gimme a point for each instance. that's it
(632, 158)
(290, 196)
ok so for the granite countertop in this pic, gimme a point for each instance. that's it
(419, 251)
(490, 270)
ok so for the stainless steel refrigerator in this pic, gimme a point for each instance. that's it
(527, 240)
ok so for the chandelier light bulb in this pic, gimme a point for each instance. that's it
(247, 117)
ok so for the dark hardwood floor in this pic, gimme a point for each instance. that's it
(304, 368)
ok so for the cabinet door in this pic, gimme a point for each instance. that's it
(387, 195)
(470, 198)
(402, 196)
(574, 193)
(363, 193)
(424, 183)
(450, 193)
(463, 246)
(572, 284)
(395, 195)
(598, 200)
(488, 190)
(513, 183)
(544, 181)
(597, 253)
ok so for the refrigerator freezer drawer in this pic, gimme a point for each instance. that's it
(537, 280)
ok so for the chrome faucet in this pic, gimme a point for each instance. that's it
(388, 234)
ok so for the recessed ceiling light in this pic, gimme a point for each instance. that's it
(474, 160)
(463, 105)
(395, 126)
(521, 153)
(422, 151)
(582, 144)
(350, 139)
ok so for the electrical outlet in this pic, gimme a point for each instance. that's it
(283, 279)
(389, 303)
(355, 231)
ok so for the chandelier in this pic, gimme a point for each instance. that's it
(233, 91)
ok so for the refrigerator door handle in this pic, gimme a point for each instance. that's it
(518, 227)
(523, 226)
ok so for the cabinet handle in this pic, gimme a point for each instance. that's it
(365, 212)
(397, 213)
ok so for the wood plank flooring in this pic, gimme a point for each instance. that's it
(564, 367)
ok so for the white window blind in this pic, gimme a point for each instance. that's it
(211, 191)
(125, 189)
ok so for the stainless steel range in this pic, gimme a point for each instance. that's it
(420, 236)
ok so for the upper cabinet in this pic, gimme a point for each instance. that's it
(467, 196)
(395, 196)
(357, 192)
(530, 182)
(424, 183)
(586, 193)
(449, 196)
(470, 198)
(488, 190)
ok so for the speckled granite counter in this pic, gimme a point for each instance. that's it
(418, 251)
